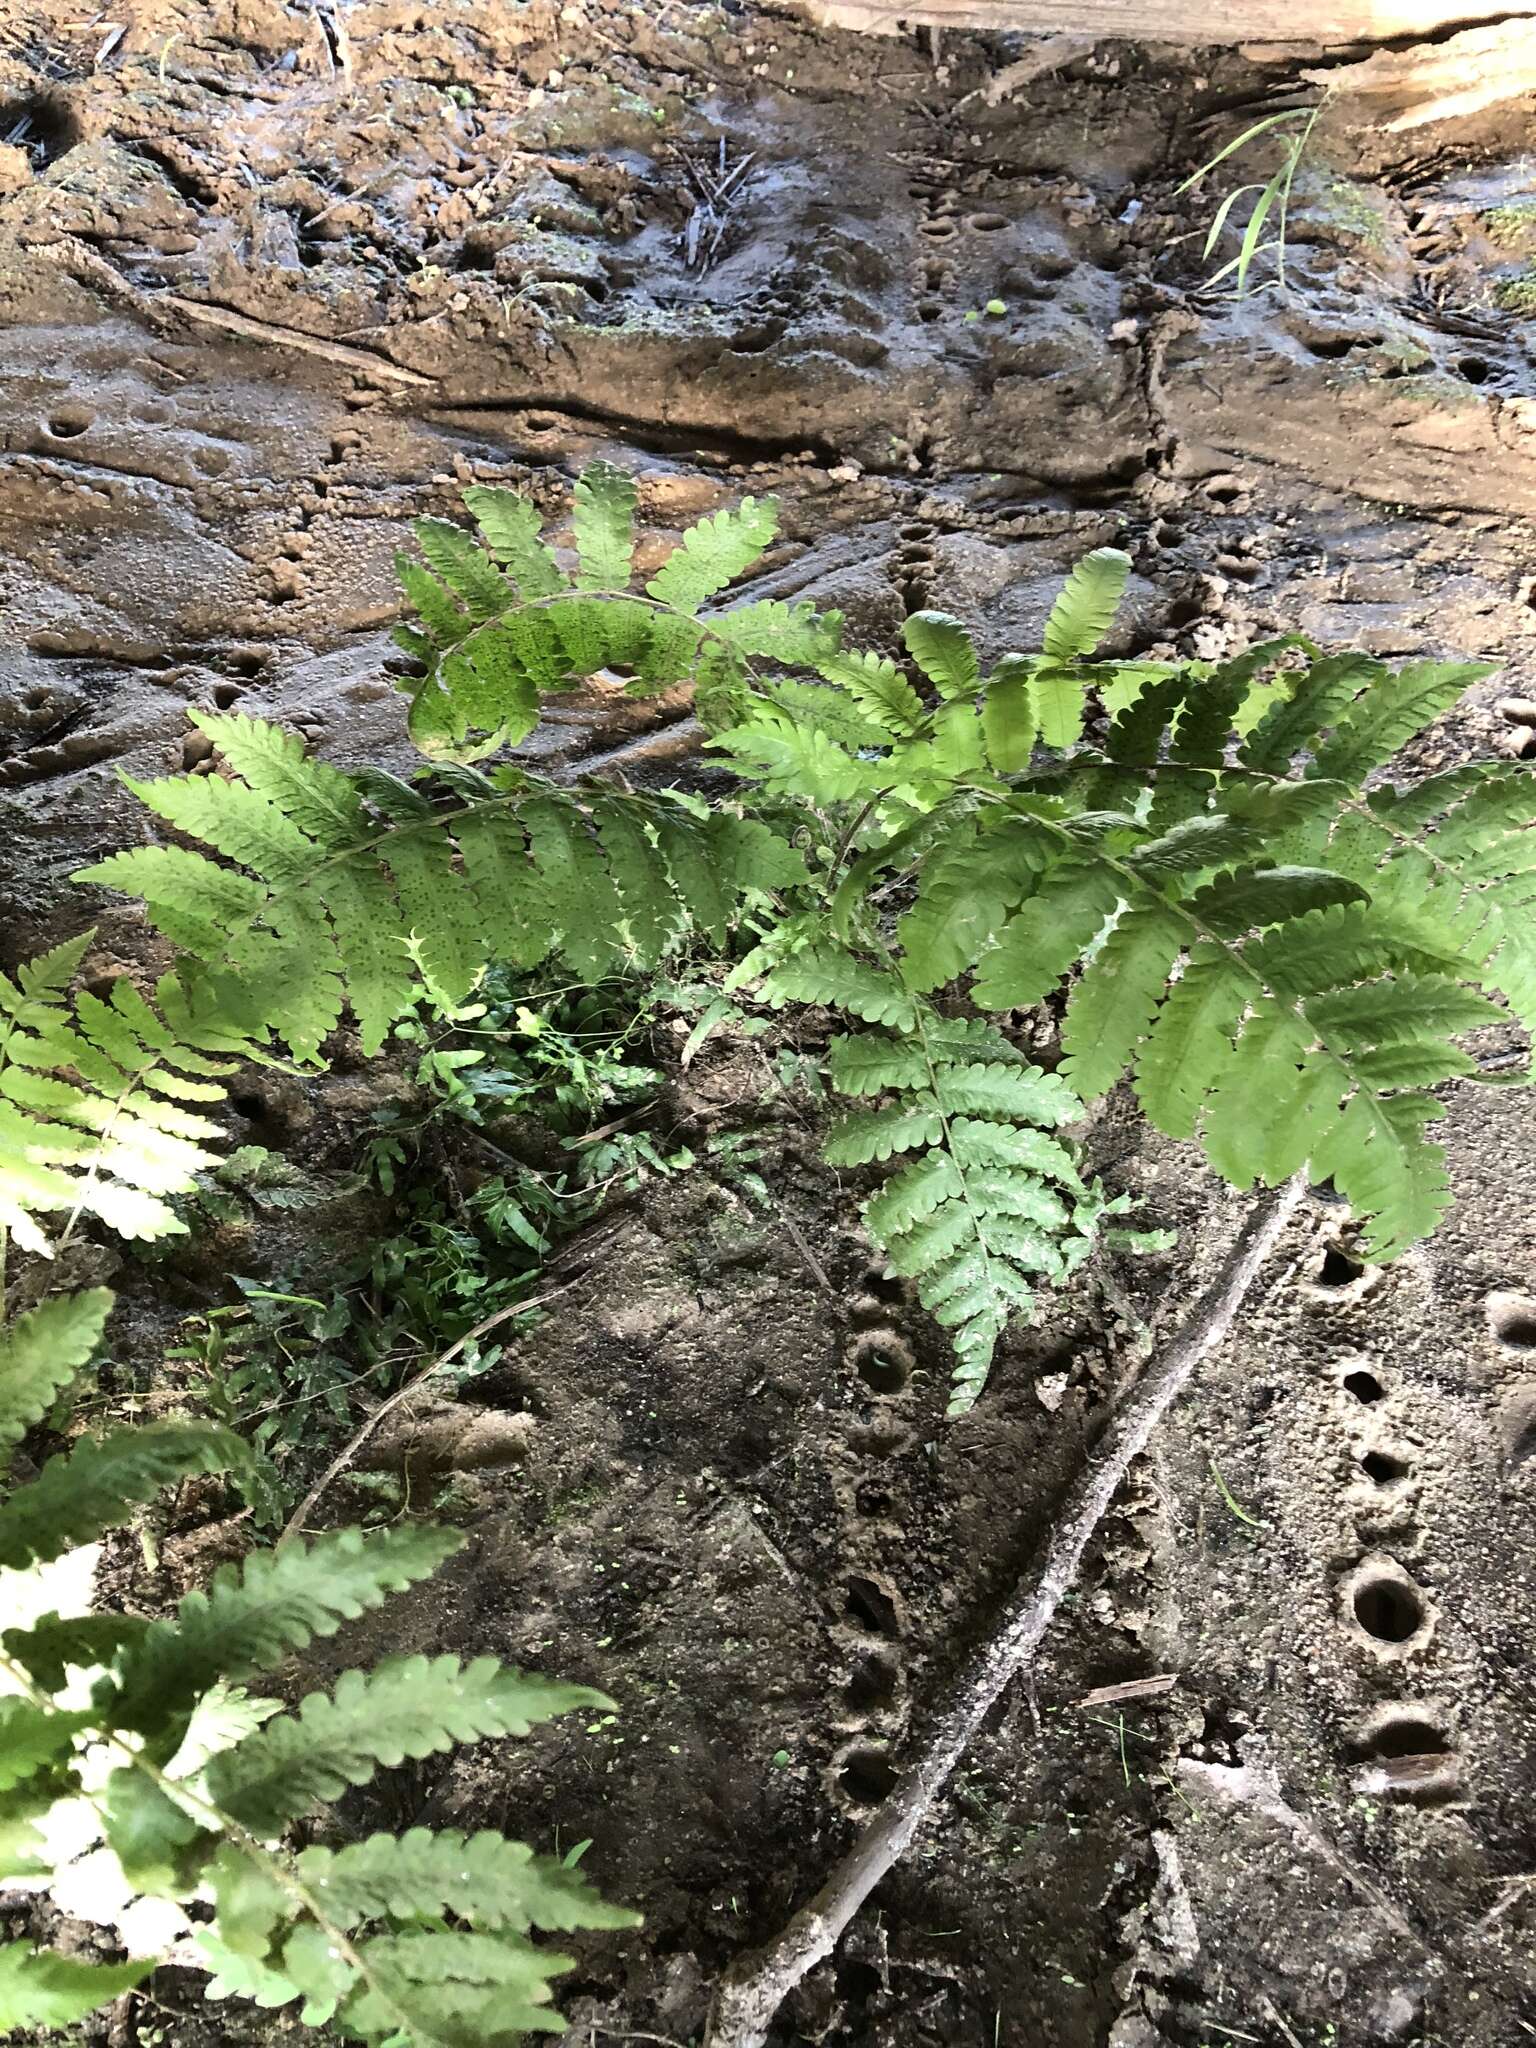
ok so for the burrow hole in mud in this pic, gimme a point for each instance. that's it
(1406, 1735)
(1338, 1269)
(68, 422)
(873, 1499)
(987, 223)
(1382, 1469)
(1387, 1609)
(872, 1684)
(1473, 368)
(1364, 1386)
(867, 1776)
(37, 700)
(226, 695)
(871, 1607)
(45, 128)
(1512, 1319)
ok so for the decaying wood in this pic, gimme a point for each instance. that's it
(754, 1989)
(1398, 89)
(1169, 21)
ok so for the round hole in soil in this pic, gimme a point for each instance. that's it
(873, 1499)
(1338, 1269)
(1364, 1386)
(1387, 1609)
(36, 700)
(987, 223)
(1474, 369)
(872, 1685)
(1407, 1736)
(1384, 1469)
(867, 1776)
(67, 421)
(871, 1607)
(225, 695)
(1512, 1318)
(883, 1372)
(45, 128)
(249, 1105)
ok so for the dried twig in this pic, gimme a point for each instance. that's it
(754, 1989)
(718, 192)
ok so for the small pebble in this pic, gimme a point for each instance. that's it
(196, 747)
(1518, 710)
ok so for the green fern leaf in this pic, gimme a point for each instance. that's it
(1391, 1175)
(1040, 943)
(869, 1065)
(793, 635)
(1196, 845)
(828, 975)
(879, 689)
(511, 529)
(444, 622)
(77, 1498)
(1408, 1006)
(40, 1353)
(1256, 897)
(1058, 697)
(1316, 701)
(1390, 713)
(1008, 715)
(454, 1987)
(406, 1706)
(1087, 604)
(454, 557)
(868, 1134)
(1021, 1092)
(41, 1988)
(33, 1739)
(251, 1616)
(802, 763)
(603, 516)
(483, 1879)
(945, 653)
(713, 553)
(1113, 1006)
(1191, 1039)
(47, 1650)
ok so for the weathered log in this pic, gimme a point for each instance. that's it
(1171, 21)
(1400, 89)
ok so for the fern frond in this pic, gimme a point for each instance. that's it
(253, 1615)
(406, 1706)
(879, 689)
(603, 516)
(98, 1485)
(483, 1879)
(945, 653)
(1086, 605)
(40, 1353)
(41, 1988)
(1390, 712)
(713, 553)
(332, 905)
(510, 525)
(91, 1094)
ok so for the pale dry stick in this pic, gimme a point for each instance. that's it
(370, 1422)
(755, 1987)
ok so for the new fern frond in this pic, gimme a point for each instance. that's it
(312, 898)
(183, 1788)
(499, 622)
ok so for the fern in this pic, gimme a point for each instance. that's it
(184, 1786)
(93, 1098)
(990, 1203)
(309, 899)
(499, 625)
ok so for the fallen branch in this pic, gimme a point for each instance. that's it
(1168, 21)
(753, 1990)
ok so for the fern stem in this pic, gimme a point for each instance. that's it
(755, 1987)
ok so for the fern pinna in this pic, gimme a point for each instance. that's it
(138, 1779)
(332, 890)
(94, 1095)
(1279, 957)
(499, 622)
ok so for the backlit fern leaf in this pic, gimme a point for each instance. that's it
(40, 1353)
(330, 904)
(94, 1095)
(501, 624)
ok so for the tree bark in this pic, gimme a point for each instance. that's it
(1173, 21)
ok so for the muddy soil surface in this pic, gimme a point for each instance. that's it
(276, 279)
